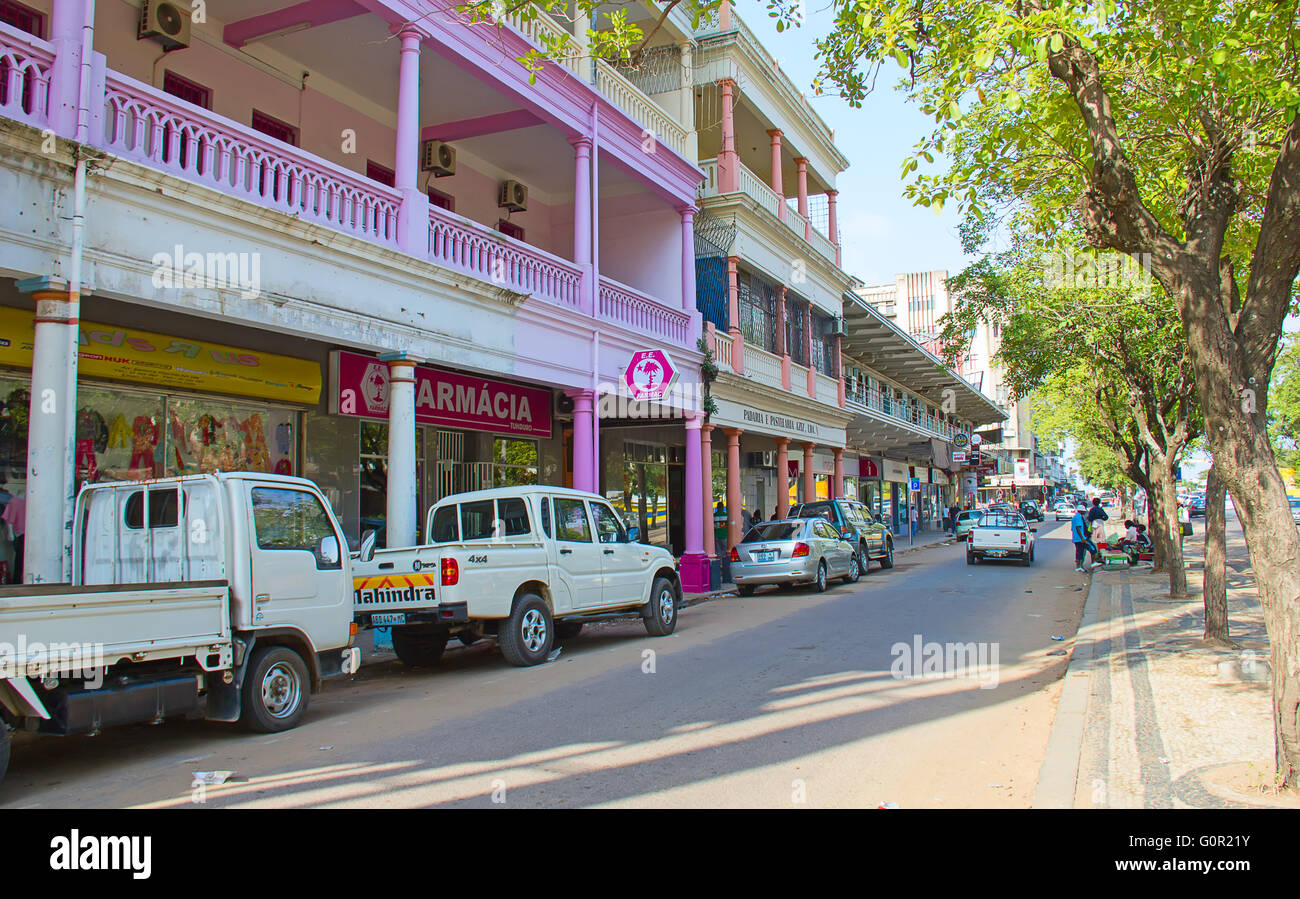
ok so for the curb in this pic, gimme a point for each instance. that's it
(1059, 774)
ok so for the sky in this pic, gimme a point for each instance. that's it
(883, 233)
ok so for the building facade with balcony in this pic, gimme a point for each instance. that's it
(346, 241)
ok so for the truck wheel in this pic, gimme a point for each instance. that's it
(1027, 560)
(275, 690)
(970, 558)
(888, 560)
(660, 613)
(419, 647)
(864, 560)
(567, 630)
(525, 637)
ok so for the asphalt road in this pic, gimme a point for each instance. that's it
(775, 700)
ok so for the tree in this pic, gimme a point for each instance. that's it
(1116, 342)
(1166, 129)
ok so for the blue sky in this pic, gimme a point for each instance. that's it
(883, 233)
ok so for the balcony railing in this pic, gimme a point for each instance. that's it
(148, 126)
(763, 367)
(758, 190)
(26, 63)
(640, 108)
(879, 402)
(828, 390)
(466, 246)
(642, 312)
(722, 348)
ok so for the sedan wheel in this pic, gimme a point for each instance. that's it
(820, 584)
(855, 570)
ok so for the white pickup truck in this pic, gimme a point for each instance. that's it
(227, 596)
(520, 564)
(1000, 535)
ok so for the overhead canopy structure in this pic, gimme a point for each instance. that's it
(883, 346)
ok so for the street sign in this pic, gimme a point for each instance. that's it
(649, 375)
(976, 439)
(960, 440)
(914, 484)
(958, 456)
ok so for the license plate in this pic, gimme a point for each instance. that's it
(765, 557)
(995, 552)
(379, 619)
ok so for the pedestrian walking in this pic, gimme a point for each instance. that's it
(1079, 536)
(953, 512)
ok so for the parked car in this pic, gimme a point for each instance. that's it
(1063, 510)
(857, 525)
(1295, 510)
(1001, 535)
(793, 551)
(966, 520)
(1031, 510)
(1196, 504)
(521, 564)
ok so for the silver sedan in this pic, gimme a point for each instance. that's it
(792, 551)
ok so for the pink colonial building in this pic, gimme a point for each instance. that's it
(342, 239)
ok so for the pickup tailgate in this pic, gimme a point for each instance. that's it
(60, 627)
(996, 539)
(395, 581)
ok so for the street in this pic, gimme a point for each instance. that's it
(776, 700)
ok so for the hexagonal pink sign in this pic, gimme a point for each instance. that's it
(649, 375)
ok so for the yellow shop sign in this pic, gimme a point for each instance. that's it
(125, 354)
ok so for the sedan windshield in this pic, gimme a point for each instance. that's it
(781, 530)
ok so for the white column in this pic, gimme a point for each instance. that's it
(402, 513)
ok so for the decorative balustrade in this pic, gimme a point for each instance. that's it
(762, 366)
(26, 63)
(754, 186)
(722, 348)
(154, 128)
(640, 108)
(828, 390)
(473, 249)
(758, 190)
(544, 32)
(876, 401)
(643, 313)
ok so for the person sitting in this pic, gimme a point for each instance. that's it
(1143, 540)
(1130, 535)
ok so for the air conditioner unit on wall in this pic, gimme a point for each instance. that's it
(438, 157)
(166, 23)
(513, 196)
(840, 327)
(762, 460)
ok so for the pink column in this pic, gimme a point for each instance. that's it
(733, 485)
(413, 215)
(802, 162)
(584, 447)
(775, 134)
(728, 161)
(832, 223)
(582, 234)
(781, 348)
(733, 300)
(688, 257)
(839, 474)
(782, 477)
(706, 488)
(809, 479)
(694, 564)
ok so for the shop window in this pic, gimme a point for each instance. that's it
(514, 462)
(510, 229)
(292, 520)
(373, 460)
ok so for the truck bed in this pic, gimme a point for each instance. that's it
(59, 627)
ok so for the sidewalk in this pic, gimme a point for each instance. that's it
(1151, 717)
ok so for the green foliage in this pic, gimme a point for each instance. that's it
(1284, 406)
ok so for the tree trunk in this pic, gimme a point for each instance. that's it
(1216, 562)
(1158, 534)
(1167, 522)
